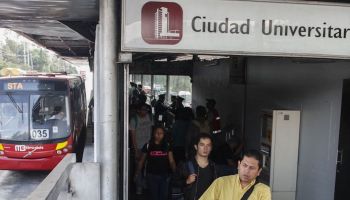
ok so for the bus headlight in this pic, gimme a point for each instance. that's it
(1, 150)
(61, 145)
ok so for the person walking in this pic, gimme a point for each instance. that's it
(243, 185)
(158, 155)
(196, 174)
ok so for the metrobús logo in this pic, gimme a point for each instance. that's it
(161, 23)
(26, 148)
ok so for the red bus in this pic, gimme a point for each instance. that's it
(42, 118)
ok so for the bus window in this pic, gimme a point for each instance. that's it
(49, 116)
(14, 117)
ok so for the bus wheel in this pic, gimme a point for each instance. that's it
(81, 145)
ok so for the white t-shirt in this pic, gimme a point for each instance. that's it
(142, 127)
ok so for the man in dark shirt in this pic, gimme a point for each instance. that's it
(196, 174)
(160, 110)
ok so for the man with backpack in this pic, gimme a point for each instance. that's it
(243, 185)
(196, 174)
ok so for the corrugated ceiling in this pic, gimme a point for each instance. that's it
(64, 26)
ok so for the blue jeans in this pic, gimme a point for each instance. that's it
(158, 186)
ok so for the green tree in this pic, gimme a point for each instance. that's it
(40, 60)
(18, 55)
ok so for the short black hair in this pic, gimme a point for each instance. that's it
(253, 153)
(203, 136)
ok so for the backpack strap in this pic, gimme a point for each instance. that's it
(190, 167)
(249, 191)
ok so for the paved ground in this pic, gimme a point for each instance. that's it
(17, 185)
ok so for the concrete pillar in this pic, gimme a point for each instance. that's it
(106, 96)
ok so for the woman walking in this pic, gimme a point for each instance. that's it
(158, 155)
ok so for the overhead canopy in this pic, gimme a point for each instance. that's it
(67, 27)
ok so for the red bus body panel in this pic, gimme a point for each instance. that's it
(32, 156)
(30, 164)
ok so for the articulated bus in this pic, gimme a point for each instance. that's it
(42, 118)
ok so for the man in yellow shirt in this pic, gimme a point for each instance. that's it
(233, 187)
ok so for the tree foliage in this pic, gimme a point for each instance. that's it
(17, 54)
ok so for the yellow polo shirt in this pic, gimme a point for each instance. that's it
(229, 188)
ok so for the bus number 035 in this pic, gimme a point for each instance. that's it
(39, 134)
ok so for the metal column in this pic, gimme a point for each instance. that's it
(106, 96)
(97, 95)
(126, 151)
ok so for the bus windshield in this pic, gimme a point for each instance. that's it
(34, 117)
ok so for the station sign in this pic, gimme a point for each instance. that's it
(293, 29)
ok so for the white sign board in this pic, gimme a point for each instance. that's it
(236, 27)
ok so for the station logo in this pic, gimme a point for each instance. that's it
(161, 23)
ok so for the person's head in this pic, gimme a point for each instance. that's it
(211, 103)
(142, 98)
(142, 110)
(203, 145)
(158, 134)
(179, 100)
(188, 113)
(161, 97)
(132, 84)
(173, 98)
(58, 113)
(250, 166)
(57, 109)
(234, 142)
(201, 112)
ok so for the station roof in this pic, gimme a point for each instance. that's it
(65, 26)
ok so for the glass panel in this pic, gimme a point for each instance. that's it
(137, 78)
(146, 87)
(181, 86)
(49, 112)
(14, 117)
(146, 83)
(159, 85)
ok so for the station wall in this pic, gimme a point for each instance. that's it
(211, 80)
(315, 88)
(312, 86)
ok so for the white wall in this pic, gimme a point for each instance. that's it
(316, 90)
